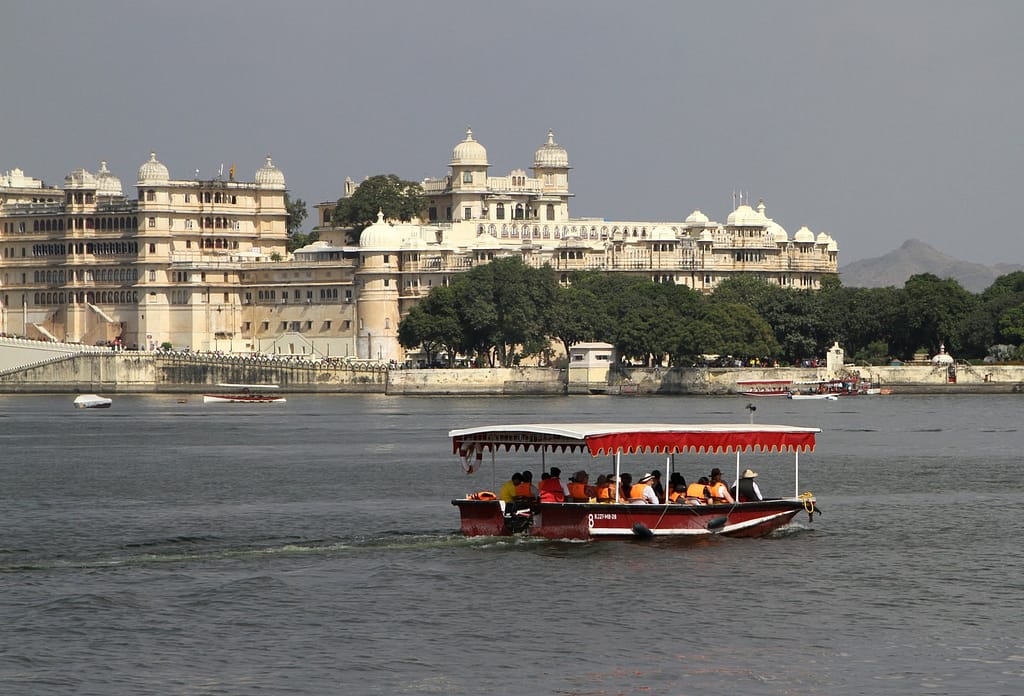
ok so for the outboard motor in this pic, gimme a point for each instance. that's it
(518, 518)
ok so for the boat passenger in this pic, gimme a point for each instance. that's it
(605, 488)
(580, 490)
(677, 486)
(556, 474)
(526, 491)
(550, 489)
(746, 490)
(659, 490)
(642, 492)
(698, 493)
(625, 485)
(719, 491)
(507, 492)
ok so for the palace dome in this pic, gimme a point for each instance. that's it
(80, 179)
(469, 151)
(744, 215)
(153, 171)
(776, 232)
(106, 183)
(381, 236)
(269, 176)
(804, 235)
(551, 154)
(697, 217)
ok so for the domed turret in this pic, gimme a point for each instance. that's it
(663, 233)
(551, 155)
(804, 236)
(380, 236)
(153, 171)
(697, 218)
(106, 183)
(469, 151)
(777, 232)
(269, 176)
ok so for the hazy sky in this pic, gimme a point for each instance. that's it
(875, 122)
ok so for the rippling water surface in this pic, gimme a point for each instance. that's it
(311, 548)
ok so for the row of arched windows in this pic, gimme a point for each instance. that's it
(94, 248)
(124, 222)
(561, 231)
(88, 275)
(112, 297)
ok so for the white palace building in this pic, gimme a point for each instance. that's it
(203, 263)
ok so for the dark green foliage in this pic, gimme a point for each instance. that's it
(397, 199)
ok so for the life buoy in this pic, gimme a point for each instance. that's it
(483, 495)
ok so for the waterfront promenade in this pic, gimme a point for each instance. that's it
(37, 367)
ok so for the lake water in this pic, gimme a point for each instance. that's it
(311, 548)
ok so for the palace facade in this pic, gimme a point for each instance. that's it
(203, 263)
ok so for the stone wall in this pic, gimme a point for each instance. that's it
(491, 381)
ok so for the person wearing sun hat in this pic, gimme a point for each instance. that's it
(642, 491)
(746, 490)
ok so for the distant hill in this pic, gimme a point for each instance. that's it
(915, 257)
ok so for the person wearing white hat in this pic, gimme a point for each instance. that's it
(746, 490)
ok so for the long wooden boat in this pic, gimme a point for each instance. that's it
(764, 387)
(245, 394)
(483, 515)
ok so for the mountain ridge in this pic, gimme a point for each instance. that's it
(914, 257)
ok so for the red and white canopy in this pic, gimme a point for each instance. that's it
(634, 438)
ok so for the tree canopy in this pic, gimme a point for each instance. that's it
(396, 198)
(502, 310)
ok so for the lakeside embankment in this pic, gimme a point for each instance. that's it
(104, 371)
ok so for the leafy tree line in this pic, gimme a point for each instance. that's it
(499, 312)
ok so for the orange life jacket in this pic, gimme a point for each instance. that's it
(636, 491)
(578, 491)
(674, 496)
(551, 491)
(606, 493)
(524, 490)
(698, 490)
(718, 491)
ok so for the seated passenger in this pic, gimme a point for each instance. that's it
(550, 489)
(719, 491)
(580, 490)
(642, 492)
(746, 490)
(676, 487)
(526, 491)
(556, 474)
(698, 493)
(605, 488)
(507, 492)
(625, 485)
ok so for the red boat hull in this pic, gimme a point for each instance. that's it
(619, 521)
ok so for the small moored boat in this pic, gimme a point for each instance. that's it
(483, 515)
(92, 401)
(245, 394)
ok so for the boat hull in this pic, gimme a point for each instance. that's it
(622, 521)
(241, 399)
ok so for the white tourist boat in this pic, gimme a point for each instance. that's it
(92, 401)
(244, 394)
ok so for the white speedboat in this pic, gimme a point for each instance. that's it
(92, 401)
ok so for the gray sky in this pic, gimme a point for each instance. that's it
(875, 122)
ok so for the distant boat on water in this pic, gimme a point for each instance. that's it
(92, 401)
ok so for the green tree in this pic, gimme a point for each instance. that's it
(434, 325)
(297, 214)
(397, 199)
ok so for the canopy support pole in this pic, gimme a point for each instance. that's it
(796, 474)
(618, 462)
